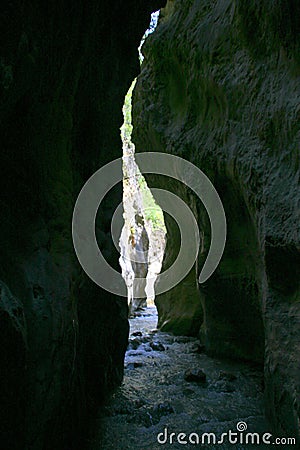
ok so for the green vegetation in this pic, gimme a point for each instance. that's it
(126, 128)
(151, 210)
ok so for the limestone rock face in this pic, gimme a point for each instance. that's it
(220, 87)
(65, 68)
(142, 241)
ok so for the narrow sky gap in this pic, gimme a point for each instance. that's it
(151, 29)
(142, 240)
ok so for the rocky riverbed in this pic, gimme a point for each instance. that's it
(170, 383)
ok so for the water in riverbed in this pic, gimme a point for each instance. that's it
(155, 396)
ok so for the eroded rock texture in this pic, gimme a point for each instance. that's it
(220, 87)
(65, 68)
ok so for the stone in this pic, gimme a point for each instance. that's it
(134, 343)
(137, 334)
(134, 365)
(157, 346)
(195, 376)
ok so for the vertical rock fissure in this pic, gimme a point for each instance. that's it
(142, 240)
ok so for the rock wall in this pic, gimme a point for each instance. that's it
(65, 68)
(143, 236)
(220, 87)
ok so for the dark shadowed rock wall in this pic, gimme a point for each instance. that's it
(65, 68)
(220, 87)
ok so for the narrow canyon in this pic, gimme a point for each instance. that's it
(219, 86)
